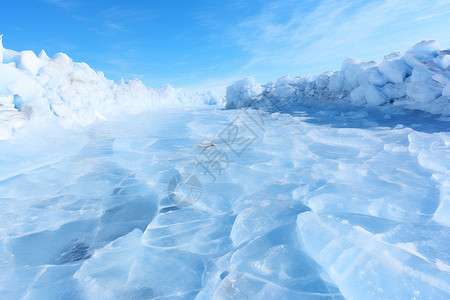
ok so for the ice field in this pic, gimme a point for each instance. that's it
(328, 187)
(321, 205)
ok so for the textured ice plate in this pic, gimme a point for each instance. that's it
(318, 205)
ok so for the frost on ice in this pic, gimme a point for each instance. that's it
(343, 191)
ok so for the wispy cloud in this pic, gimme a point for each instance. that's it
(311, 35)
(117, 19)
(261, 38)
(64, 4)
(122, 13)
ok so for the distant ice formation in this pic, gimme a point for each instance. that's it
(39, 87)
(418, 79)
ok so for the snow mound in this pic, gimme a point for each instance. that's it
(418, 79)
(39, 87)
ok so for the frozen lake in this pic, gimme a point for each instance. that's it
(228, 204)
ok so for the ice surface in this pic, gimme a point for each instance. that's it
(321, 205)
(366, 263)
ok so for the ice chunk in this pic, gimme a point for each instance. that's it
(7, 100)
(358, 96)
(375, 77)
(242, 93)
(368, 94)
(12, 116)
(283, 80)
(420, 73)
(127, 269)
(286, 91)
(260, 218)
(190, 230)
(374, 95)
(443, 211)
(446, 90)
(424, 92)
(425, 50)
(394, 70)
(5, 130)
(392, 91)
(43, 56)
(431, 46)
(351, 70)
(431, 154)
(443, 61)
(368, 265)
(62, 59)
(336, 82)
(17, 82)
(393, 55)
(440, 106)
(322, 80)
(29, 62)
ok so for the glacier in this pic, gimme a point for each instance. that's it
(328, 187)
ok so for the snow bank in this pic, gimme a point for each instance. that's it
(418, 79)
(39, 87)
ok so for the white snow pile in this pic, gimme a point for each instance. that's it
(39, 87)
(418, 79)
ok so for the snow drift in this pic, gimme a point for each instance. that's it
(39, 87)
(418, 79)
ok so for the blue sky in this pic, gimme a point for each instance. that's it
(200, 44)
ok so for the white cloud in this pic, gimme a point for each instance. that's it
(118, 19)
(63, 4)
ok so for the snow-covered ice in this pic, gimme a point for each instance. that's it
(341, 197)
